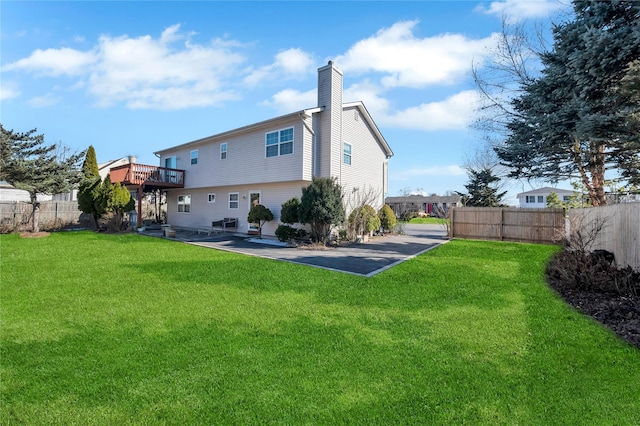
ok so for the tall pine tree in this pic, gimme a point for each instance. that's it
(578, 119)
(89, 190)
(28, 164)
(482, 190)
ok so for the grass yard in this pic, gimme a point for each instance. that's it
(126, 329)
(428, 221)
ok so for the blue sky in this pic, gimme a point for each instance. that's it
(131, 78)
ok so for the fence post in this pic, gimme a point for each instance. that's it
(451, 221)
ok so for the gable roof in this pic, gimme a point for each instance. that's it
(365, 114)
(302, 113)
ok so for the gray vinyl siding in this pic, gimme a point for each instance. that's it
(202, 213)
(246, 161)
(319, 134)
(329, 129)
(307, 149)
(367, 158)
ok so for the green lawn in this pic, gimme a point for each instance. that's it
(428, 221)
(127, 329)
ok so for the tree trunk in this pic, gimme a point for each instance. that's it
(36, 217)
(595, 168)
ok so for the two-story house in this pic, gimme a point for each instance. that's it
(271, 161)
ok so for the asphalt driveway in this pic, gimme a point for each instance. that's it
(365, 259)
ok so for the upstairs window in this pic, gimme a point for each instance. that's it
(223, 151)
(194, 156)
(211, 198)
(346, 153)
(279, 143)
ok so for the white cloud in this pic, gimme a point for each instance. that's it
(9, 90)
(408, 61)
(290, 63)
(148, 73)
(54, 62)
(290, 100)
(144, 72)
(454, 113)
(44, 101)
(370, 94)
(517, 10)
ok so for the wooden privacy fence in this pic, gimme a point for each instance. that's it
(620, 233)
(16, 215)
(507, 224)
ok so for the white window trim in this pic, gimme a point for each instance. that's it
(279, 144)
(211, 196)
(184, 204)
(224, 151)
(236, 201)
(344, 152)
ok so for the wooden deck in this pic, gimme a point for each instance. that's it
(147, 177)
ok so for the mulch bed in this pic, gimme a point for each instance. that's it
(619, 313)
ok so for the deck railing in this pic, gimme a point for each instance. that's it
(144, 174)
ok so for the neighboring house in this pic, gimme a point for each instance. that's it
(9, 193)
(271, 161)
(430, 205)
(103, 170)
(537, 198)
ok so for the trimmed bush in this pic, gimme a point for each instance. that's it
(387, 217)
(259, 214)
(289, 212)
(288, 233)
(321, 206)
(364, 220)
